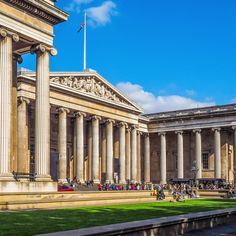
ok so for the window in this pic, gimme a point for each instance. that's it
(205, 160)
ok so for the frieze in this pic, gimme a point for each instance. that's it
(89, 85)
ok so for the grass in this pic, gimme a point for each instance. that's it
(46, 221)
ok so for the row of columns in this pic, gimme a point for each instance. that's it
(128, 152)
(198, 153)
(42, 114)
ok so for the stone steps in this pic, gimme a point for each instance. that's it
(59, 200)
(70, 195)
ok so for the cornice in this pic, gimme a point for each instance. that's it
(40, 9)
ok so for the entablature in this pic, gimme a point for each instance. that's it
(41, 9)
(207, 123)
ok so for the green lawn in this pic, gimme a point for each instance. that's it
(45, 221)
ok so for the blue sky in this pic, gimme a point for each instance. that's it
(164, 54)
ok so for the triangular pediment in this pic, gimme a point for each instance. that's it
(93, 85)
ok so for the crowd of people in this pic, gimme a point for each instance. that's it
(179, 191)
(212, 186)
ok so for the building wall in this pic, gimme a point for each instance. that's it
(189, 154)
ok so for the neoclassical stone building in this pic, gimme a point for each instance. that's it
(66, 125)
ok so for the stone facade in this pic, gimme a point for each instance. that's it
(66, 125)
(205, 136)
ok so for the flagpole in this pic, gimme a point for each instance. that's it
(85, 26)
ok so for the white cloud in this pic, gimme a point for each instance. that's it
(151, 103)
(75, 5)
(101, 15)
(83, 1)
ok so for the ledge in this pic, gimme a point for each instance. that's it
(174, 225)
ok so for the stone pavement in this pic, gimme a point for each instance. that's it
(226, 230)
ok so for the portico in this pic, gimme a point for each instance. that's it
(203, 137)
(85, 101)
(21, 34)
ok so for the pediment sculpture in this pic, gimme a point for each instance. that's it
(90, 85)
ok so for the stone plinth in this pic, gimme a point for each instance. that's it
(14, 186)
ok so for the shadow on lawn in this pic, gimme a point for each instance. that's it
(45, 221)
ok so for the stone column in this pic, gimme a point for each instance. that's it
(42, 113)
(163, 157)
(139, 156)
(80, 146)
(198, 153)
(234, 129)
(133, 154)
(23, 161)
(109, 135)
(147, 166)
(217, 147)
(6, 58)
(14, 134)
(89, 149)
(122, 179)
(74, 141)
(127, 151)
(180, 155)
(95, 151)
(62, 143)
(104, 153)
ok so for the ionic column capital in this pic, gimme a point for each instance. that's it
(41, 49)
(128, 129)
(216, 129)
(79, 114)
(108, 121)
(234, 127)
(146, 135)
(4, 33)
(134, 127)
(21, 99)
(179, 132)
(18, 58)
(121, 124)
(197, 131)
(162, 134)
(63, 109)
(139, 132)
(96, 117)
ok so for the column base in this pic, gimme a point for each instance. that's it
(109, 181)
(43, 178)
(122, 182)
(81, 181)
(96, 181)
(163, 182)
(6, 177)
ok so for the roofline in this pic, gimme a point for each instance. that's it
(209, 109)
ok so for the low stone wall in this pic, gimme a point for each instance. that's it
(19, 201)
(171, 226)
(27, 187)
(212, 193)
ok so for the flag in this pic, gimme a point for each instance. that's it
(81, 27)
